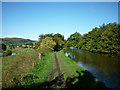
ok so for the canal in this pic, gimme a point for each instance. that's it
(105, 67)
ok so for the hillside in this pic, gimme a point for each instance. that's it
(15, 41)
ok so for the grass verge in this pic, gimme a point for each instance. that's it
(76, 76)
(15, 67)
(68, 67)
(39, 75)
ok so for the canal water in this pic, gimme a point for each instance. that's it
(105, 67)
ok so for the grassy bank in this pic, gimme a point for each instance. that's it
(76, 76)
(36, 73)
(39, 75)
(15, 67)
(68, 67)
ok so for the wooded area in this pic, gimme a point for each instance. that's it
(104, 39)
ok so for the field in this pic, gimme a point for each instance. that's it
(15, 67)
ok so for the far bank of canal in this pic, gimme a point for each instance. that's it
(103, 66)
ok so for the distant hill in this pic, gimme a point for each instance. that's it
(16, 41)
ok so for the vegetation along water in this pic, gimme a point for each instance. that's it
(43, 64)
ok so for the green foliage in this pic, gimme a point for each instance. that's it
(59, 36)
(4, 51)
(71, 44)
(46, 44)
(15, 67)
(11, 46)
(23, 51)
(74, 36)
(42, 36)
(39, 74)
(50, 42)
(104, 39)
(73, 40)
(3, 47)
(7, 53)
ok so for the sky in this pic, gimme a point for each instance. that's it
(60, 0)
(30, 19)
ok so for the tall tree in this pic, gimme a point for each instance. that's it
(46, 44)
(59, 39)
(59, 36)
(76, 36)
(73, 40)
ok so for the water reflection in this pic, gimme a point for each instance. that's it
(13, 54)
(105, 67)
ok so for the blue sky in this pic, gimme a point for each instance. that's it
(30, 19)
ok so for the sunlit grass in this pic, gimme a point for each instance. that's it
(15, 67)
(76, 76)
(68, 67)
(25, 50)
(27, 71)
(39, 74)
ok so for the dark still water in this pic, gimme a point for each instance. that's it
(103, 66)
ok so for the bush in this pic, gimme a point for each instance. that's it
(4, 47)
(7, 53)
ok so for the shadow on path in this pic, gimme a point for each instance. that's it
(81, 81)
(87, 80)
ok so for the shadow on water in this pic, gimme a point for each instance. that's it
(84, 80)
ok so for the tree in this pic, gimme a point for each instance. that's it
(4, 47)
(59, 43)
(76, 36)
(59, 39)
(42, 36)
(46, 44)
(59, 36)
(104, 39)
(73, 40)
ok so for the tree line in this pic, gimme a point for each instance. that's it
(103, 39)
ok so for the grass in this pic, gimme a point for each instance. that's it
(25, 70)
(24, 50)
(40, 74)
(76, 76)
(54, 67)
(68, 67)
(15, 67)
